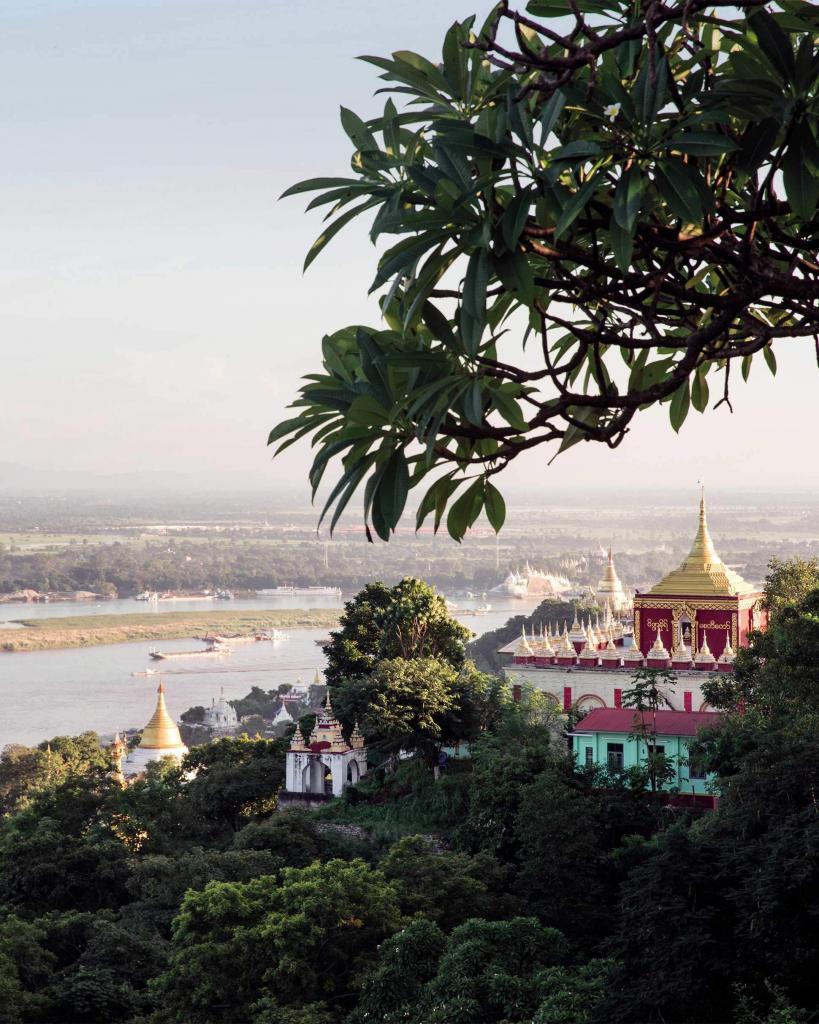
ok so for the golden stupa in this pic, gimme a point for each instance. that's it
(703, 572)
(161, 732)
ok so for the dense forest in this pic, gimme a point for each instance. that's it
(512, 886)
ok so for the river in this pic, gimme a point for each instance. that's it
(50, 693)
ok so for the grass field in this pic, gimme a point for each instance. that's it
(92, 630)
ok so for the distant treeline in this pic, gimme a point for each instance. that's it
(128, 567)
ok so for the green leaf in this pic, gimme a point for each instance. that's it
(746, 366)
(516, 276)
(575, 206)
(770, 359)
(465, 510)
(514, 219)
(455, 62)
(509, 409)
(680, 404)
(390, 496)
(627, 198)
(439, 325)
(622, 244)
(679, 191)
(550, 113)
(401, 257)
(699, 390)
(648, 97)
(333, 229)
(366, 410)
(774, 43)
(473, 403)
(702, 143)
(313, 184)
(473, 301)
(494, 505)
(757, 144)
(801, 186)
(358, 132)
(576, 151)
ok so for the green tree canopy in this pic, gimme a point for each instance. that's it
(301, 940)
(409, 620)
(633, 192)
(789, 581)
(485, 972)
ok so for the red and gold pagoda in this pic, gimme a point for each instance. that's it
(700, 605)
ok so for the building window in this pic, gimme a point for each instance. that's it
(656, 748)
(589, 755)
(695, 772)
(615, 756)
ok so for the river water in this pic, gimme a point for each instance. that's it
(50, 693)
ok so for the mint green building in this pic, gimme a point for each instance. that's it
(613, 738)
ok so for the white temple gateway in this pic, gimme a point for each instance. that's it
(325, 763)
(160, 738)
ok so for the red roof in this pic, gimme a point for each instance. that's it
(663, 723)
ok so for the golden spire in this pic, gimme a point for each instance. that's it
(702, 551)
(703, 571)
(317, 679)
(161, 732)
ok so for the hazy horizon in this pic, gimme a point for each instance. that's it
(157, 318)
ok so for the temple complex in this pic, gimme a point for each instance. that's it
(160, 738)
(702, 607)
(692, 622)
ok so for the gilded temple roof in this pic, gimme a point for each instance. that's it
(703, 573)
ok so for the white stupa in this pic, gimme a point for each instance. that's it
(221, 716)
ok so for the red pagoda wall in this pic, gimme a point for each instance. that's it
(650, 619)
(715, 626)
(731, 618)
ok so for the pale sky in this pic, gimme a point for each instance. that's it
(153, 311)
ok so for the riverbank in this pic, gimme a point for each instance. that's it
(45, 634)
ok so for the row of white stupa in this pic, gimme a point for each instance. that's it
(588, 645)
(588, 634)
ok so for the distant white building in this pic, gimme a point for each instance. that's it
(220, 717)
(283, 716)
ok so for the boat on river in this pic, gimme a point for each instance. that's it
(209, 652)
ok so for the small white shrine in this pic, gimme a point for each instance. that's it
(325, 763)
(221, 716)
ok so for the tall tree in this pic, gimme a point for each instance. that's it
(409, 620)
